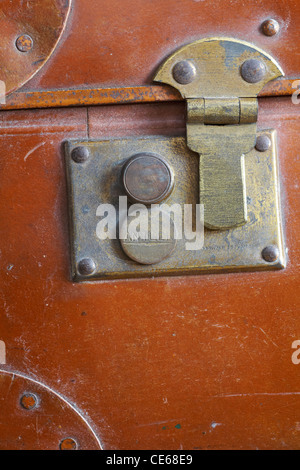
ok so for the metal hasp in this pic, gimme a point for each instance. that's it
(220, 79)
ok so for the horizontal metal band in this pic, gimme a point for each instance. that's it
(106, 96)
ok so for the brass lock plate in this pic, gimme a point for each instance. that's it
(95, 178)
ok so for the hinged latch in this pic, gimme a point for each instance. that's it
(220, 79)
(118, 186)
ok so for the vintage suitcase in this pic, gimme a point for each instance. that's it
(143, 342)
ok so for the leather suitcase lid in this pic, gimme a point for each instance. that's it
(110, 51)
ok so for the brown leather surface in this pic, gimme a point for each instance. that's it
(30, 32)
(45, 426)
(119, 43)
(175, 363)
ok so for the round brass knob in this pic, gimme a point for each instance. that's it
(147, 178)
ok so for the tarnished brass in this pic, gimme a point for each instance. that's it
(147, 178)
(218, 63)
(222, 169)
(148, 250)
(98, 180)
(221, 118)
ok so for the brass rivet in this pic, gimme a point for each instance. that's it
(270, 253)
(86, 267)
(29, 401)
(184, 72)
(24, 43)
(147, 178)
(270, 27)
(68, 444)
(80, 154)
(263, 143)
(253, 71)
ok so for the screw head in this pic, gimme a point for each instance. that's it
(29, 401)
(263, 143)
(80, 154)
(24, 43)
(270, 27)
(253, 70)
(184, 72)
(68, 444)
(270, 253)
(86, 267)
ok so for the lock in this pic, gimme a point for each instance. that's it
(220, 79)
(224, 166)
(147, 178)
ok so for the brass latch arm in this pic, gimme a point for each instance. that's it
(220, 131)
(220, 78)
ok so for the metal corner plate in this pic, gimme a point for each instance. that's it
(98, 181)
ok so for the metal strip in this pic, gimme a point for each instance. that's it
(112, 96)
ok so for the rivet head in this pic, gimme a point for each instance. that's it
(263, 143)
(253, 70)
(24, 43)
(86, 267)
(80, 154)
(270, 253)
(29, 401)
(184, 72)
(270, 27)
(147, 178)
(68, 444)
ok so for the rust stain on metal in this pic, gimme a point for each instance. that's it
(24, 43)
(106, 96)
(68, 444)
(29, 401)
(270, 27)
